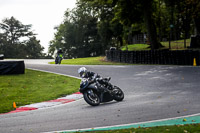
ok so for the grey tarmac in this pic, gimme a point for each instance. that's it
(152, 92)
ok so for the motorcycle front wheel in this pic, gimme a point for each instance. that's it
(56, 61)
(91, 97)
(118, 94)
(59, 60)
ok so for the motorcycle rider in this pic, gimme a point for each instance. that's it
(84, 73)
(96, 89)
(59, 54)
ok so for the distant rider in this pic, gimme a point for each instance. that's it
(59, 55)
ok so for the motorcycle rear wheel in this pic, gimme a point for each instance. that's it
(118, 94)
(91, 97)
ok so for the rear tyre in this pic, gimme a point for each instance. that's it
(91, 97)
(118, 94)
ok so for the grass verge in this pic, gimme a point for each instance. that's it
(134, 47)
(89, 61)
(175, 45)
(33, 87)
(192, 128)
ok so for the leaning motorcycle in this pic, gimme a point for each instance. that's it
(95, 93)
(58, 59)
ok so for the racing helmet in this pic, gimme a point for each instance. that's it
(82, 72)
(60, 50)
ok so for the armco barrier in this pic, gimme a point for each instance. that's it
(165, 57)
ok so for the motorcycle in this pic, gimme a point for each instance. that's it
(95, 92)
(58, 59)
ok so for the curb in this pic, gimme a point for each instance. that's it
(63, 100)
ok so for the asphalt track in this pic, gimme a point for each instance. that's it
(152, 92)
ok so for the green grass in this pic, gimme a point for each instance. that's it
(175, 45)
(193, 128)
(33, 87)
(89, 61)
(134, 47)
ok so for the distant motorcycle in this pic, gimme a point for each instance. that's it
(95, 92)
(58, 59)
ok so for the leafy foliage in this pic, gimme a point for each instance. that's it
(94, 26)
(18, 41)
(82, 34)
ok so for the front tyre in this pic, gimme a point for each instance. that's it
(118, 94)
(91, 97)
(56, 60)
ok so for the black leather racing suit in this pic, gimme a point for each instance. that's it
(90, 75)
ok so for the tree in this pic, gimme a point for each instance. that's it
(17, 30)
(94, 26)
(138, 11)
(33, 48)
(129, 12)
(15, 37)
(88, 30)
(194, 6)
(187, 12)
(78, 34)
(109, 29)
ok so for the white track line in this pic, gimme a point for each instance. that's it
(122, 125)
(54, 73)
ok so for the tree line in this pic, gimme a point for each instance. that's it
(18, 40)
(94, 26)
